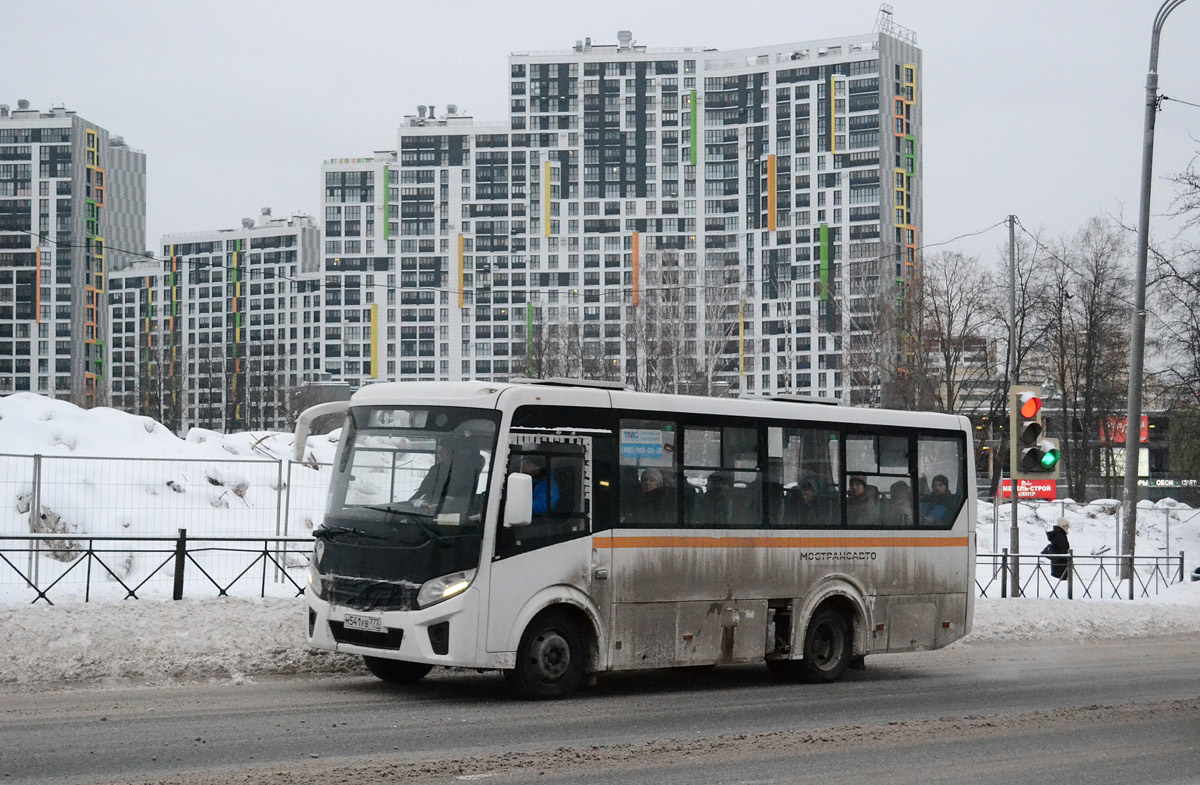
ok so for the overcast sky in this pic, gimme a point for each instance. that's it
(1032, 107)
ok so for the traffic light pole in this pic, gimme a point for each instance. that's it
(1014, 533)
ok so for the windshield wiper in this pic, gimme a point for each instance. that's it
(327, 532)
(415, 518)
(394, 510)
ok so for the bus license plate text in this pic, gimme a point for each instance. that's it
(353, 621)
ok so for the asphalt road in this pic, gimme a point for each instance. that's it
(1113, 711)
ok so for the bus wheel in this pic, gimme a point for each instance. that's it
(550, 658)
(396, 671)
(827, 647)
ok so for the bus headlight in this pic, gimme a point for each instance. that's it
(443, 588)
(316, 582)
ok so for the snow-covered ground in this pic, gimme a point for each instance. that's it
(214, 484)
(236, 640)
(1164, 528)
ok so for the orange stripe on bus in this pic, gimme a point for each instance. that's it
(779, 542)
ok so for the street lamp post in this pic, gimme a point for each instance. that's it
(1137, 343)
(1014, 530)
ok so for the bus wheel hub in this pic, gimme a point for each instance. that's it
(551, 655)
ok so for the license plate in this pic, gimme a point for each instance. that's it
(353, 621)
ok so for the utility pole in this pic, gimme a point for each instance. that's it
(1137, 343)
(1014, 533)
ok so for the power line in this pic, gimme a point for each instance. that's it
(1068, 265)
(1179, 101)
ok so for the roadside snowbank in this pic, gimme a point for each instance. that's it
(235, 640)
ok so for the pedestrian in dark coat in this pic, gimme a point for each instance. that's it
(1060, 563)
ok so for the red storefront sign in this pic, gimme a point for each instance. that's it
(1112, 430)
(1030, 489)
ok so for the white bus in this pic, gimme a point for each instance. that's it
(559, 529)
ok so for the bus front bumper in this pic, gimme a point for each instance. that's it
(442, 634)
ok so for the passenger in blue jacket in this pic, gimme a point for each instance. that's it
(939, 503)
(545, 489)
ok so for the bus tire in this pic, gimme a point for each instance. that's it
(550, 659)
(828, 646)
(396, 671)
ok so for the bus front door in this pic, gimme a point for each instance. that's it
(554, 555)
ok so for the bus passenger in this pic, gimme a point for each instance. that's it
(545, 489)
(718, 501)
(938, 504)
(810, 509)
(900, 506)
(861, 509)
(657, 503)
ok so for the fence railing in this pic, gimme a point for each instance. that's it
(115, 567)
(88, 568)
(1085, 577)
(61, 494)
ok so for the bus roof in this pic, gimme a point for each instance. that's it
(559, 392)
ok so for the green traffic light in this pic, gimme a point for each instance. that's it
(1049, 459)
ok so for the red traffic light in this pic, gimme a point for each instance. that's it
(1030, 405)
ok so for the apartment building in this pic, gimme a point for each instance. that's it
(210, 335)
(72, 209)
(679, 219)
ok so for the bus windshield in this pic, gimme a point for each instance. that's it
(404, 472)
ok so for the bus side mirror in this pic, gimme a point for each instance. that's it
(518, 505)
(304, 422)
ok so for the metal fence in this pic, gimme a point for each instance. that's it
(1086, 577)
(64, 494)
(92, 526)
(244, 523)
(46, 567)
(88, 568)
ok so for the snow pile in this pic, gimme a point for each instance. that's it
(1175, 611)
(236, 640)
(104, 472)
(160, 642)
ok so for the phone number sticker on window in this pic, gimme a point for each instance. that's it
(641, 443)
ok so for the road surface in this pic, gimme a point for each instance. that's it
(1110, 711)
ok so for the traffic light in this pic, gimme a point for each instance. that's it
(1032, 456)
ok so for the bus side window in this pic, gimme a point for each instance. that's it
(747, 493)
(723, 485)
(560, 511)
(942, 481)
(566, 473)
(649, 482)
(877, 467)
(808, 475)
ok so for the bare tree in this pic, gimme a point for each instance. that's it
(1032, 265)
(159, 375)
(954, 319)
(551, 345)
(1176, 288)
(886, 336)
(680, 336)
(1087, 342)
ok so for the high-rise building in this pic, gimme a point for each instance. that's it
(72, 208)
(210, 335)
(689, 219)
